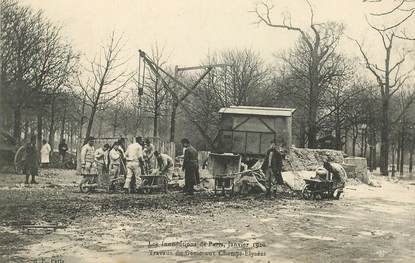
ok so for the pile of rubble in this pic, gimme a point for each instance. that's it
(303, 159)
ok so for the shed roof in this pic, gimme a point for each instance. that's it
(262, 111)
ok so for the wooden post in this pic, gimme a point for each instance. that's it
(175, 104)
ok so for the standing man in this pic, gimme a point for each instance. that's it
(134, 156)
(140, 141)
(116, 160)
(165, 164)
(63, 148)
(272, 167)
(122, 146)
(190, 167)
(101, 159)
(45, 154)
(88, 158)
(30, 159)
(148, 155)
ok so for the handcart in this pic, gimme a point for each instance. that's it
(316, 188)
(89, 183)
(154, 182)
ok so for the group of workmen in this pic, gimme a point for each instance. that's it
(136, 160)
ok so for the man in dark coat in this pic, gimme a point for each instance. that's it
(272, 167)
(190, 167)
(31, 161)
(63, 148)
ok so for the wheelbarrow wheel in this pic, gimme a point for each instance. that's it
(146, 191)
(83, 186)
(306, 193)
(337, 193)
(111, 188)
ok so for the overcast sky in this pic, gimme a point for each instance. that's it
(190, 29)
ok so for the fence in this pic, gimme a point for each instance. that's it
(168, 148)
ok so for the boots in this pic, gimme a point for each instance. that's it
(33, 181)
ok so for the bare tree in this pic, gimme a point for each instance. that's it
(314, 61)
(241, 82)
(391, 76)
(106, 78)
(56, 65)
(20, 41)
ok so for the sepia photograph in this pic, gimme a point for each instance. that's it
(267, 131)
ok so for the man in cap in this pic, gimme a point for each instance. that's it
(272, 166)
(116, 157)
(30, 161)
(63, 148)
(88, 157)
(101, 159)
(190, 167)
(134, 156)
(148, 155)
(165, 164)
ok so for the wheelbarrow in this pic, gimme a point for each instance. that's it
(154, 182)
(316, 188)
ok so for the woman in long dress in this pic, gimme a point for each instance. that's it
(45, 154)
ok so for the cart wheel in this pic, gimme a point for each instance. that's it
(111, 187)
(306, 192)
(18, 160)
(83, 186)
(337, 193)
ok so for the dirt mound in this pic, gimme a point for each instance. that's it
(303, 159)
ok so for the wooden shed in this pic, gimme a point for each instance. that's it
(248, 130)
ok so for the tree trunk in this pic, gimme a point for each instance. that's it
(354, 139)
(175, 104)
(362, 147)
(372, 149)
(173, 120)
(398, 155)
(156, 109)
(312, 135)
(375, 160)
(411, 153)
(402, 148)
(52, 125)
(384, 135)
(393, 161)
(80, 141)
(365, 143)
(61, 137)
(302, 134)
(71, 136)
(81, 122)
(402, 161)
(346, 137)
(338, 142)
(17, 123)
(26, 130)
(114, 130)
(90, 123)
(39, 129)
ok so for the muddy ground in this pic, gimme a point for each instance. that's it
(368, 224)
